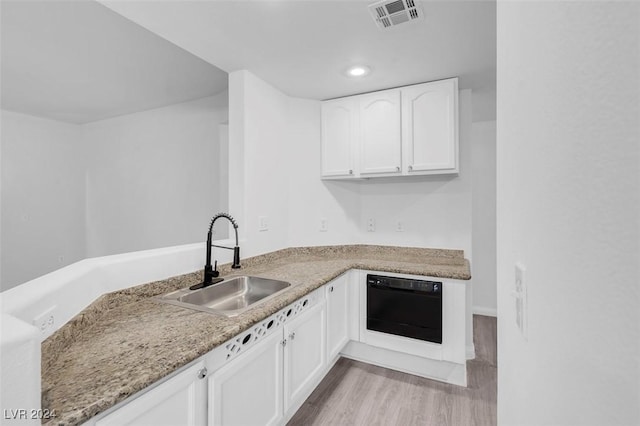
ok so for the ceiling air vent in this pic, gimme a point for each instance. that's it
(389, 13)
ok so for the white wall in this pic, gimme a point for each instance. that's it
(483, 208)
(277, 144)
(151, 176)
(134, 182)
(435, 211)
(568, 208)
(275, 139)
(310, 198)
(282, 178)
(43, 211)
(281, 137)
(258, 159)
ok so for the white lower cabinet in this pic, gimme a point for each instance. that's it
(274, 377)
(337, 297)
(248, 391)
(304, 356)
(264, 374)
(180, 400)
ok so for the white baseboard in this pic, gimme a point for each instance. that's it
(471, 351)
(442, 371)
(481, 310)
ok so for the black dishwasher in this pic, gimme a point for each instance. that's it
(405, 307)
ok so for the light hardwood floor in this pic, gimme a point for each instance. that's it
(355, 393)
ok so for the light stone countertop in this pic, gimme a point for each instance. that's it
(126, 340)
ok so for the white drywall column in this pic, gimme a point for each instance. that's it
(223, 167)
(568, 208)
(483, 208)
(259, 145)
(237, 125)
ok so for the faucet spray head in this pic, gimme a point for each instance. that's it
(236, 258)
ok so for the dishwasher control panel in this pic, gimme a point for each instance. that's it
(423, 286)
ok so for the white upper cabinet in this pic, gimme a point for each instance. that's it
(430, 127)
(380, 133)
(412, 130)
(339, 131)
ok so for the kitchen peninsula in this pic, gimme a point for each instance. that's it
(126, 341)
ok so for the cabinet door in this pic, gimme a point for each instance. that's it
(304, 356)
(337, 295)
(339, 130)
(181, 400)
(430, 127)
(380, 133)
(248, 390)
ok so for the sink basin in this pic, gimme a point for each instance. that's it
(230, 297)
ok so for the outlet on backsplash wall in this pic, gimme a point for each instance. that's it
(371, 225)
(46, 322)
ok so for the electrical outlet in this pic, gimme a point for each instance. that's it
(324, 224)
(520, 295)
(399, 226)
(263, 223)
(371, 225)
(46, 321)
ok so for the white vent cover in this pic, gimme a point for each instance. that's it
(389, 13)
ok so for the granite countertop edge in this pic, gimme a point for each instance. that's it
(126, 340)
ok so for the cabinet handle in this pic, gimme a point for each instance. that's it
(397, 168)
(202, 373)
(410, 168)
(331, 289)
(284, 342)
(350, 171)
(292, 335)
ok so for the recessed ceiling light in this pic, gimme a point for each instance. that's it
(358, 71)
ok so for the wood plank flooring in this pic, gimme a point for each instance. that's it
(355, 393)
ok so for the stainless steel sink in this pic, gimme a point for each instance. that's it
(230, 297)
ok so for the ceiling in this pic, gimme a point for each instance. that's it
(78, 61)
(302, 47)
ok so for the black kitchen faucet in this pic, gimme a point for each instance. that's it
(210, 272)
